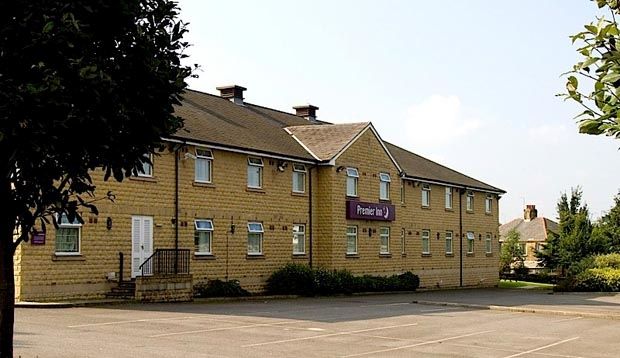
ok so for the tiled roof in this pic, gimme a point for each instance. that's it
(214, 120)
(326, 141)
(533, 230)
(418, 167)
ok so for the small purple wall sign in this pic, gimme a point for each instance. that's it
(370, 211)
(38, 238)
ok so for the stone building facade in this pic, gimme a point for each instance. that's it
(248, 189)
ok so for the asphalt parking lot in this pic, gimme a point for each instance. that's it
(355, 326)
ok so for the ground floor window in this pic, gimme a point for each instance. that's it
(449, 242)
(488, 245)
(352, 240)
(203, 235)
(255, 238)
(299, 239)
(403, 241)
(68, 236)
(426, 242)
(470, 242)
(384, 240)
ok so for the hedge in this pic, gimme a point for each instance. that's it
(219, 288)
(598, 279)
(298, 279)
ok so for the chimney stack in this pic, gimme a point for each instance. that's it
(306, 111)
(233, 92)
(530, 212)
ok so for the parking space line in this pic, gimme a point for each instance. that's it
(437, 310)
(541, 348)
(223, 328)
(568, 319)
(508, 350)
(418, 344)
(328, 335)
(387, 304)
(129, 321)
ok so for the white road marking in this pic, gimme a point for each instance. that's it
(130, 321)
(315, 329)
(541, 348)
(508, 350)
(328, 335)
(222, 329)
(437, 310)
(386, 304)
(418, 344)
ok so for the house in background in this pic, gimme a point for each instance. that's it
(534, 231)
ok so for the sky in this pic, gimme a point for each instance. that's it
(469, 84)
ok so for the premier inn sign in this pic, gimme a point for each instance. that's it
(370, 211)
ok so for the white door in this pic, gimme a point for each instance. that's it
(141, 243)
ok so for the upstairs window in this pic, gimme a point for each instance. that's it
(352, 177)
(470, 201)
(203, 165)
(255, 173)
(299, 178)
(203, 236)
(426, 195)
(448, 197)
(147, 168)
(68, 236)
(488, 204)
(255, 238)
(384, 186)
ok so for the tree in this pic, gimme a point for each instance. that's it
(600, 68)
(511, 255)
(607, 229)
(84, 85)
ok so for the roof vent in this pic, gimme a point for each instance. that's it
(306, 111)
(530, 212)
(233, 92)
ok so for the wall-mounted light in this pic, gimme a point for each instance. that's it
(479, 236)
(339, 169)
(282, 165)
(232, 228)
(189, 155)
(437, 236)
(108, 223)
(369, 232)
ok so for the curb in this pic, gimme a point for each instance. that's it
(71, 304)
(520, 309)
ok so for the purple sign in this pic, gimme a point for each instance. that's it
(370, 211)
(38, 238)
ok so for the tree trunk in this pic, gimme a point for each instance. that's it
(7, 281)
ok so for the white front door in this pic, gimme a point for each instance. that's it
(141, 242)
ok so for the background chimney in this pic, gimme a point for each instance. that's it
(233, 92)
(306, 111)
(530, 212)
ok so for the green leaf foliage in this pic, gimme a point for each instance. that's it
(511, 254)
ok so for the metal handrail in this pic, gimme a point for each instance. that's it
(166, 262)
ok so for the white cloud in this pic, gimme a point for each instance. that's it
(439, 120)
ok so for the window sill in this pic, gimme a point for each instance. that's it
(296, 193)
(352, 256)
(470, 254)
(450, 210)
(255, 190)
(427, 255)
(385, 256)
(299, 256)
(203, 185)
(403, 255)
(489, 254)
(488, 214)
(204, 256)
(469, 211)
(449, 255)
(385, 201)
(351, 197)
(254, 257)
(145, 179)
(68, 257)
(427, 207)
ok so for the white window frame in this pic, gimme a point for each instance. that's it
(384, 235)
(426, 195)
(351, 235)
(471, 240)
(299, 172)
(147, 169)
(68, 225)
(403, 241)
(253, 163)
(200, 229)
(300, 237)
(402, 191)
(488, 243)
(470, 201)
(384, 186)
(488, 204)
(449, 242)
(448, 198)
(206, 155)
(352, 181)
(426, 241)
(256, 228)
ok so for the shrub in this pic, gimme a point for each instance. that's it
(292, 279)
(609, 260)
(598, 279)
(219, 288)
(302, 280)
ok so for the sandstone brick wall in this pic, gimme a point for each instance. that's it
(177, 288)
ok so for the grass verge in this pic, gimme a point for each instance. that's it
(525, 285)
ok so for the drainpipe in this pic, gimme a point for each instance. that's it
(310, 216)
(176, 209)
(461, 191)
